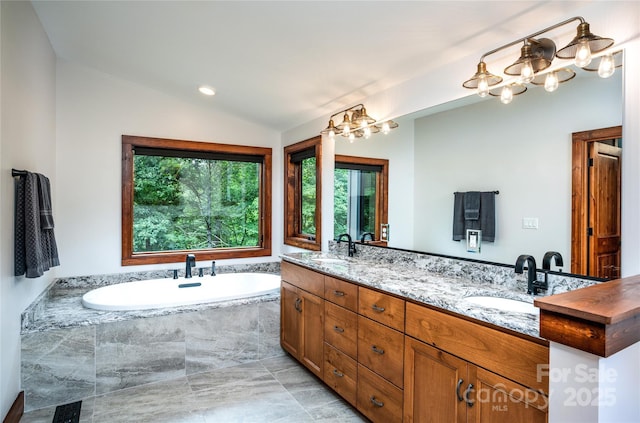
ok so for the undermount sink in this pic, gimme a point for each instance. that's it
(329, 260)
(504, 304)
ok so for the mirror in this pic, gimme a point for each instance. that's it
(523, 150)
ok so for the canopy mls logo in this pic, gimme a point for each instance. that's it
(585, 381)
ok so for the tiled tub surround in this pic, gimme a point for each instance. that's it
(70, 353)
(439, 281)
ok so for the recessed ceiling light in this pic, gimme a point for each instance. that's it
(206, 90)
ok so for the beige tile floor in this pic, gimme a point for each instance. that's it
(272, 390)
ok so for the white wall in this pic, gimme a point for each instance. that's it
(93, 111)
(27, 141)
(523, 150)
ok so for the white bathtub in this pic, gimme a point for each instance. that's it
(158, 293)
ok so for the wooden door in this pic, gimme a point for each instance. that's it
(604, 210)
(312, 321)
(435, 385)
(587, 197)
(290, 320)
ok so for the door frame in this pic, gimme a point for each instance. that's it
(580, 194)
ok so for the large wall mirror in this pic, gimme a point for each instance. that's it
(523, 150)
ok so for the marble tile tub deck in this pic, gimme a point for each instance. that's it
(69, 352)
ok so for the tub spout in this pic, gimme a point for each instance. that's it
(191, 262)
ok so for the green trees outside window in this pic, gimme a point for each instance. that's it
(183, 203)
(308, 225)
(354, 202)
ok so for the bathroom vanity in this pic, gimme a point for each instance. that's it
(403, 351)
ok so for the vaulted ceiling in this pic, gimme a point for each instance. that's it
(282, 63)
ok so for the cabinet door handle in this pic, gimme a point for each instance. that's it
(337, 373)
(377, 350)
(375, 402)
(466, 395)
(460, 382)
(338, 293)
(298, 305)
(375, 307)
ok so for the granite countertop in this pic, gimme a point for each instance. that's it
(408, 281)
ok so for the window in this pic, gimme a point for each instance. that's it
(303, 162)
(360, 196)
(182, 197)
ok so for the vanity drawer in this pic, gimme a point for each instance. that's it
(340, 373)
(508, 355)
(381, 307)
(340, 292)
(378, 399)
(303, 278)
(341, 328)
(381, 349)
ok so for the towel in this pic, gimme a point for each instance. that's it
(35, 248)
(486, 221)
(472, 205)
(44, 198)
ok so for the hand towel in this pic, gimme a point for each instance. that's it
(471, 205)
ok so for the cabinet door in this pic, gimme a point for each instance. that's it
(500, 400)
(312, 315)
(290, 320)
(434, 385)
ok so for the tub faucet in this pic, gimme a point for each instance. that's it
(352, 246)
(213, 268)
(191, 262)
(532, 284)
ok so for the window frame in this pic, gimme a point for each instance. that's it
(293, 195)
(382, 188)
(129, 257)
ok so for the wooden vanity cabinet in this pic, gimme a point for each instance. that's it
(460, 371)
(302, 316)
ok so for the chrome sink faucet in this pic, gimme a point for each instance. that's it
(352, 246)
(532, 284)
(190, 262)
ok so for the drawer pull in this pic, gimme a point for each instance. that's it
(376, 308)
(338, 293)
(377, 350)
(375, 402)
(337, 373)
(460, 399)
(338, 329)
(298, 305)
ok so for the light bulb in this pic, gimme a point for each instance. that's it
(332, 134)
(351, 137)
(385, 128)
(367, 132)
(583, 55)
(551, 82)
(526, 73)
(607, 66)
(506, 95)
(346, 130)
(483, 87)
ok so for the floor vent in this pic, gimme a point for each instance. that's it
(68, 413)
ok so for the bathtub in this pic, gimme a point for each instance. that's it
(160, 293)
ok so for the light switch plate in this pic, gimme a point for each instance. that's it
(529, 223)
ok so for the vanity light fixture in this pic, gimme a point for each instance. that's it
(536, 55)
(356, 123)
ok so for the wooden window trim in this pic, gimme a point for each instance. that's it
(382, 188)
(293, 192)
(130, 258)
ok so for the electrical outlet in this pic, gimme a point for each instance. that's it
(529, 223)
(384, 232)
